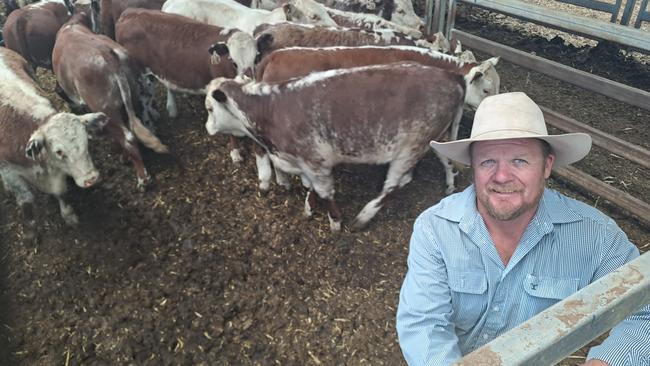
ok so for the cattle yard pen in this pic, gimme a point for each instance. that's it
(547, 339)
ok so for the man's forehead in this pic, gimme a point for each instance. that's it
(507, 143)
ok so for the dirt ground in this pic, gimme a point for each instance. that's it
(204, 270)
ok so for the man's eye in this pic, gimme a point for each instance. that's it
(520, 162)
(487, 163)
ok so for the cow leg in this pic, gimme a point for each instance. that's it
(323, 184)
(310, 203)
(282, 178)
(455, 124)
(74, 107)
(450, 173)
(67, 212)
(235, 152)
(264, 171)
(24, 198)
(127, 140)
(172, 111)
(399, 174)
(150, 114)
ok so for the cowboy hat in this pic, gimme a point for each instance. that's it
(514, 116)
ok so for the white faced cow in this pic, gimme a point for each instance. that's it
(231, 14)
(96, 72)
(40, 147)
(369, 21)
(177, 50)
(31, 30)
(311, 124)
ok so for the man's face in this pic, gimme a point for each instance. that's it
(509, 177)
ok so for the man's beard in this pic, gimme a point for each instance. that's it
(511, 212)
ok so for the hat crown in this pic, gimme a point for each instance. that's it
(508, 113)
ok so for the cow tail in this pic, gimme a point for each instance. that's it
(139, 130)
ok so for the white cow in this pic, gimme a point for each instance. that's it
(38, 146)
(231, 14)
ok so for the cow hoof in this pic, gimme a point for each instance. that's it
(264, 187)
(236, 157)
(358, 225)
(335, 224)
(143, 184)
(71, 219)
(450, 190)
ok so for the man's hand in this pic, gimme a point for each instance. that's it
(595, 362)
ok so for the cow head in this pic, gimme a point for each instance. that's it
(62, 143)
(482, 81)
(307, 12)
(224, 116)
(241, 48)
(404, 14)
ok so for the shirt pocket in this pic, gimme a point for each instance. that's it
(468, 297)
(545, 291)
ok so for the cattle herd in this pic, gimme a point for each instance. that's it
(312, 84)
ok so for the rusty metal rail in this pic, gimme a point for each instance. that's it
(565, 327)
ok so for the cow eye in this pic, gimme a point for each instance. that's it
(60, 154)
(234, 64)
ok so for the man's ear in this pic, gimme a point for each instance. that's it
(35, 145)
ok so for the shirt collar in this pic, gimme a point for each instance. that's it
(552, 209)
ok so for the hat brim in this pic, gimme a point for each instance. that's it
(567, 148)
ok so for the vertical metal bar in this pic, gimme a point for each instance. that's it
(627, 12)
(451, 19)
(428, 13)
(441, 14)
(643, 14)
(435, 27)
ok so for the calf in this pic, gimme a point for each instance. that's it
(175, 49)
(231, 14)
(31, 30)
(40, 147)
(96, 72)
(110, 11)
(283, 35)
(311, 124)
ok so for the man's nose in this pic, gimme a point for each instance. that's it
(503, 173)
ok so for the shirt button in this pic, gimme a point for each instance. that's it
(496, 308)
(485, 336)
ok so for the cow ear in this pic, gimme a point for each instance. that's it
(220, 49)
(95, 121)
(264, 42)
(219, 96)
(289, 11)
(35, 146)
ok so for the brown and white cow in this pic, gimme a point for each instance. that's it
(40, 147)
(110, 11)
(397, 11)
(311, 124)
(283, 35)
(231, 14)
(481, 79)
(96, 72)
(31, 30)
(349, 19)
(176, 50)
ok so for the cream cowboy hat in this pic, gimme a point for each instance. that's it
(514, 116)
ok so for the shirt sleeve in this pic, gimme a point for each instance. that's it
(628, 342)
(425, 332)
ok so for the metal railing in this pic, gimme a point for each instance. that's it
(565, 327)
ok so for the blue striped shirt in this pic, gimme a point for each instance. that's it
(458, 295)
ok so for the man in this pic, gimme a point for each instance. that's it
(487, 259)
